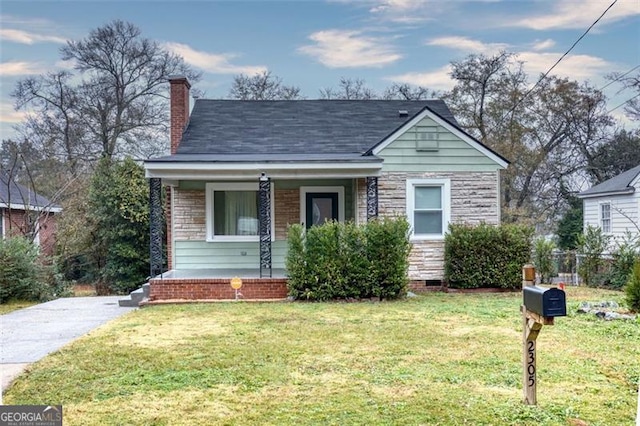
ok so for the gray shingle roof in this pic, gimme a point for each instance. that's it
(618, 184)
(16, 194)
(231, 127)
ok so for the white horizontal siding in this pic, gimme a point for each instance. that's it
(625, 214)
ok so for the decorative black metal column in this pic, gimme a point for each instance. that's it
(264, 207)
(155, 225)
(372, 197)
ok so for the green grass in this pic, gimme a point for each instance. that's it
(444, 359)
(14, 305)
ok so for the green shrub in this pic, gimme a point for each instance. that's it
(543, 259)
(623, 259)
(388, 249)
(19, 270)
(344, 260)
(591, 246)
(632, 289)
(486, 256)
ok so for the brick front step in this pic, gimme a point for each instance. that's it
(186, 289)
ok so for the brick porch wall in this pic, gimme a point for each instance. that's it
(216, 289)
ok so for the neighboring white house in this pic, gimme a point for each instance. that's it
(614, 205)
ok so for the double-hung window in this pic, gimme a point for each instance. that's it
(428, 208)
(605, 217)
(232, 211)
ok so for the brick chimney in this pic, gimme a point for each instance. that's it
(179, 98)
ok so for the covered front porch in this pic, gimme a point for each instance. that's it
(222, 225)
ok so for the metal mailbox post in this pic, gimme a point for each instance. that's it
(539, 307)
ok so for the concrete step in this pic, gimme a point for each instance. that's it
(136, 296)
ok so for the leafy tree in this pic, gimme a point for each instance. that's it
(617, 155)
(543, 258)
(570, 224)
(119, 220)
(264, 86)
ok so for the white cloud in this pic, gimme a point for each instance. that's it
(543, 44)
(19, 68)
(25, 37)
(576, 67)
(467, 45)
(435, 80)
(9, 115)
(397, 5)
(213, 63)
(573, 14)
(349, 49)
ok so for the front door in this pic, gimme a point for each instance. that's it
(320, 207)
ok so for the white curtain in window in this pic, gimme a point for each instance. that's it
(241, 213)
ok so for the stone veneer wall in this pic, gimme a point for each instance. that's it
(474, 199)
(189, 213)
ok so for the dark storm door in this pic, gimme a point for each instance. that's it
(320, 207)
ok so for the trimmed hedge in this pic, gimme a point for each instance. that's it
(344, 260)
(486, 256)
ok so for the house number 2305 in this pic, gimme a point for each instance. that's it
(531, 362)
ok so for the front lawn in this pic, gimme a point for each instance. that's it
(14, 305)
(435, 359)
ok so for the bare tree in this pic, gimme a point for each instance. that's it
(549, 134)
(632, 106)
(409, 92)
(350, 89)
(262, 87)
(122, 95)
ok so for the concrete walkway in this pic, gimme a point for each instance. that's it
(29, 334)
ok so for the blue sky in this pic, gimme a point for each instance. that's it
(312, 44)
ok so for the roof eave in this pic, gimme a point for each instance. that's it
(276, 170)
(627, 191)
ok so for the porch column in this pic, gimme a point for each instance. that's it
(264, 206)
(372, 197)
(155, 225)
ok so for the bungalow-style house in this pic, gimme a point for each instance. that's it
(241, 171)
(24, 212)
(614, 205)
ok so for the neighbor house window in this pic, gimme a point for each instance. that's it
(232, 211)
(428, 207)
(605, 217)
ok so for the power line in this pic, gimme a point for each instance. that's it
(618, 78)
(556, 63)
(625, 102)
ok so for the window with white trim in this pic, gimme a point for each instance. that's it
(605, 217)
(428, 207)
(232, 211)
